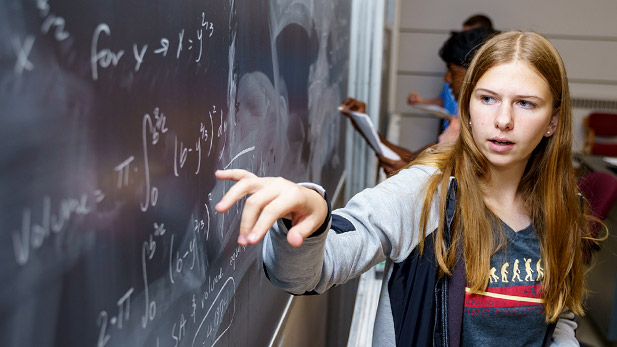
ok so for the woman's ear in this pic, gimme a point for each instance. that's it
(552, 126)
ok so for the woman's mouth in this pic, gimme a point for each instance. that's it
(500, 145)
(502, 142)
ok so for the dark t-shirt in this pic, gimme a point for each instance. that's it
(510, 311)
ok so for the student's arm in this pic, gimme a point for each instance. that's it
(392, 166)
(377, 224)
(415, 98)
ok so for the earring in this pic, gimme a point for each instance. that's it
(469, 123)
(548, 132)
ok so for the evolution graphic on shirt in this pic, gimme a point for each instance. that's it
(511, 308)
(508, 290)
(517, 272)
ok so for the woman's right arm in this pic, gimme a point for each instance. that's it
(378, 223)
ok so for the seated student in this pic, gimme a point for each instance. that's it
(484, 240)
(457, 53)
(446, 98)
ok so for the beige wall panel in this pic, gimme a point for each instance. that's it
(577, 128)
(573, 17)
(420, 52)
(414, 132)
(593, 91)
(590, 60)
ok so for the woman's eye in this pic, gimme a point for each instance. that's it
(487, 99)
(526, 104)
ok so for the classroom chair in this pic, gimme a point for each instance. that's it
(600, 190)
(600, 134)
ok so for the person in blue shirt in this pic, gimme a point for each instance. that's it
(446, 98)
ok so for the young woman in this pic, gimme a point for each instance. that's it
(483, 240)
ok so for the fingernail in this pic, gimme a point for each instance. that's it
(253, 237)
(242, 240)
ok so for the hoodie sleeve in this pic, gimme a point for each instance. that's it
(564, 335)
(377, 224)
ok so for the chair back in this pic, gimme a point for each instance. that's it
(600, 190)
(601, 134)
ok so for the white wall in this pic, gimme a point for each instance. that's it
(585, 33)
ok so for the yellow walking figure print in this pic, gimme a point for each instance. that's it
(516, 271)
(493, 276)
(528, 270)
(539, 270)
(504, 272)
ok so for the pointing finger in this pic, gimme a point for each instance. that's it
(252, 209)
(233, 174)
(276, 209)
(238, 191)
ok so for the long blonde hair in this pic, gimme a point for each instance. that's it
(548, 186)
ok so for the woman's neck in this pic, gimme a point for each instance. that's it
(502, 198)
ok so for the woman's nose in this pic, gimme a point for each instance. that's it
(503, 120)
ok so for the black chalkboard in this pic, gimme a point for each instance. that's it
(114, 117)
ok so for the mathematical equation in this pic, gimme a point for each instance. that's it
(153, 128)
(102, 57)
(210, 310)
(204, 315)
(106, 57)
(214, 301)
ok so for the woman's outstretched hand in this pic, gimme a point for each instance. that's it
(270, 199)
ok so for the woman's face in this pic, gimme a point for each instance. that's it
(511, 109)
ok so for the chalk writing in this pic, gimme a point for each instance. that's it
(207, 25)
(181, 153)
(248, 150)
(201, 44)
(124, 307)
(208, 215)
(22, 51)
(103, 335)
(234, 256)
(50, 20)
(164, 47)
(124, 314)
(215, 314)
(99, 196)
(154, 130)
(181, 330)
(104, 57)
(60, 33)
(177, 266)
(180, 39)
(33, 235)
(159, 229)
(43, 7)
(123, 170)
(139, 55)
(150, 306)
